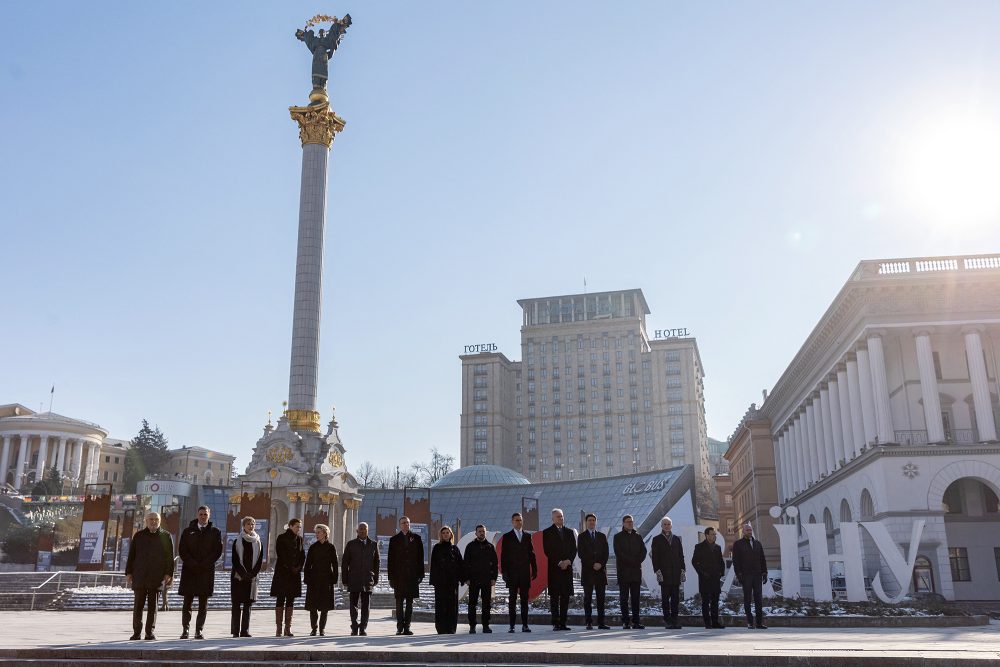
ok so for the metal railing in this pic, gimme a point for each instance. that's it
(58, 578)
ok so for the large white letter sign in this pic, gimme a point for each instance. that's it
(900, 568)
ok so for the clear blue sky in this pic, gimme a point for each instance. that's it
(734, 160)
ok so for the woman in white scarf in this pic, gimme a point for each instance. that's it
(248, 554)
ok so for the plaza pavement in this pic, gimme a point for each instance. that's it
(43, 638)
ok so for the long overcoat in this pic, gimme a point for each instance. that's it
(287, 579)
(517, 560)
(199, 551)
(359, 565)
(668, 558)
(321, 576)
(406, 563)
(557, 548)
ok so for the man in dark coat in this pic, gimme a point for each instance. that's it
(199, 549)
(519, 568)
(708, 563)
(668, 564)
(286, 584)
(750, 567)
(359, 568)
(406, 571)
(149, 568)
(481, 568)
(592, 545)
(630, 552)
(559, 544)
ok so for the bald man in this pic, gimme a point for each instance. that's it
(148, 570)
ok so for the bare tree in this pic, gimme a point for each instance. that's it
(439, 466)
(367, 474)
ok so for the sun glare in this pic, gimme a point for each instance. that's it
(951, 171)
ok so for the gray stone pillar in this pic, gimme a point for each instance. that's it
(880, 390)
(929, 387)
(827, 415)
(844, 401)
(22, 460)
(61, 454)
(4, 458)
(317, 127)
(78, 462)
(43, 452)
(811, 446)
(865, 391)
(980, 385)
(802, 452)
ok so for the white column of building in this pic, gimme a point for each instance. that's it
(865, 391)
(793, 450)
(22, 460)
(844, 400)
(854, 396)
(789, 462)
(826, 412)
(4, 458)
(980, 385)
(800, 453)
(836, 424)
(43, 451)
(77, 465)
(880, 390)
(818, 434)
(780, 462)
(93, 462)
(812, 450)
(929, 387)
(61, 454)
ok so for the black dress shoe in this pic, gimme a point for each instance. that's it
(312, 633)
(526, 629)
(603, 627)
(399, 632)
(487, 630)
(638, 626)
(718, 626)
(198, 635)
(362, 632)
(245, 634)
(184, 635)
(407, 631)
(590, 626)
(135, 637)
(150, 637)
(750, 626)
(761, 626)
(472, 630)
(511, 629)
(708, 626)
(626, 626)
(354, 632)
(565, 627)
(236, 636)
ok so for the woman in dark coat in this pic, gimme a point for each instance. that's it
(447, 572)
(248, 555)
(287, 582)
(321, 578)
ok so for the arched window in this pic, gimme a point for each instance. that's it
(867, 506)
(923, 575)
(828, 520)
(845, 511)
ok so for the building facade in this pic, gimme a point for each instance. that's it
(727, 511)
(595, 394)
(889, 413)
(32, 443)
(203, 465)
(752, 488)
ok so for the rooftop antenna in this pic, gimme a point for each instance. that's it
(585, 285)
(52, 395)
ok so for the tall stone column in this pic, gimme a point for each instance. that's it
(980, 385)
(812, 448)
(22, 460)
(317, 127)
(94, 463)
(61, 453)
(880, 390)
(854, 396)
(929, 387)
(826, 412)
(867, 397)
(4, 458)
(780, 464)
(818, 428)
(844, 402)
(836, 426)
(803, 451)
(78, 461)
(43, 452)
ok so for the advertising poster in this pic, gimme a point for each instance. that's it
(93, 527)
(232, 532)
(423, 530)
(417, 505)
(123, 552)
(170, 521)
(46, 539)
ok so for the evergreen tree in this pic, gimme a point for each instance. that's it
(53, 481)
(147, 454)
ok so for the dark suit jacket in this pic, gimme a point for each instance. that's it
(359, 565)
(593, 550)
(708, 563)
(668, 558)
(556, 549)
(406, 563)
(517, 559)
(749, 562)
(630, 552)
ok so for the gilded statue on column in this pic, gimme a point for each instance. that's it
(322, 46)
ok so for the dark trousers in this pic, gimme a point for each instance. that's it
(670, 597)
(629, 593)
(317, 616)
(710, 591)
(480, 591)
(512, 593)
(752, 586)
(588, 590)
(240, 622)
(284, 601)
(404, 611)
(199, 622)
(446, 609)
(558, 606)
(359, 604)
(144, 597)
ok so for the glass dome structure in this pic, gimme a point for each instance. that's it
(481, 475)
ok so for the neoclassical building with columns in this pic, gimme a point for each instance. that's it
(31, 443)
(889, 412)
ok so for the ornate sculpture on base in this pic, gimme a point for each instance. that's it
(322, 47)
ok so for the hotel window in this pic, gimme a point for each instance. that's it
(105, 475)
(647, 404)
(674, 395)
(673, 355)
(116, 459)
(673, 369)
(107, 459)
(959, 559)
(674, 383)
